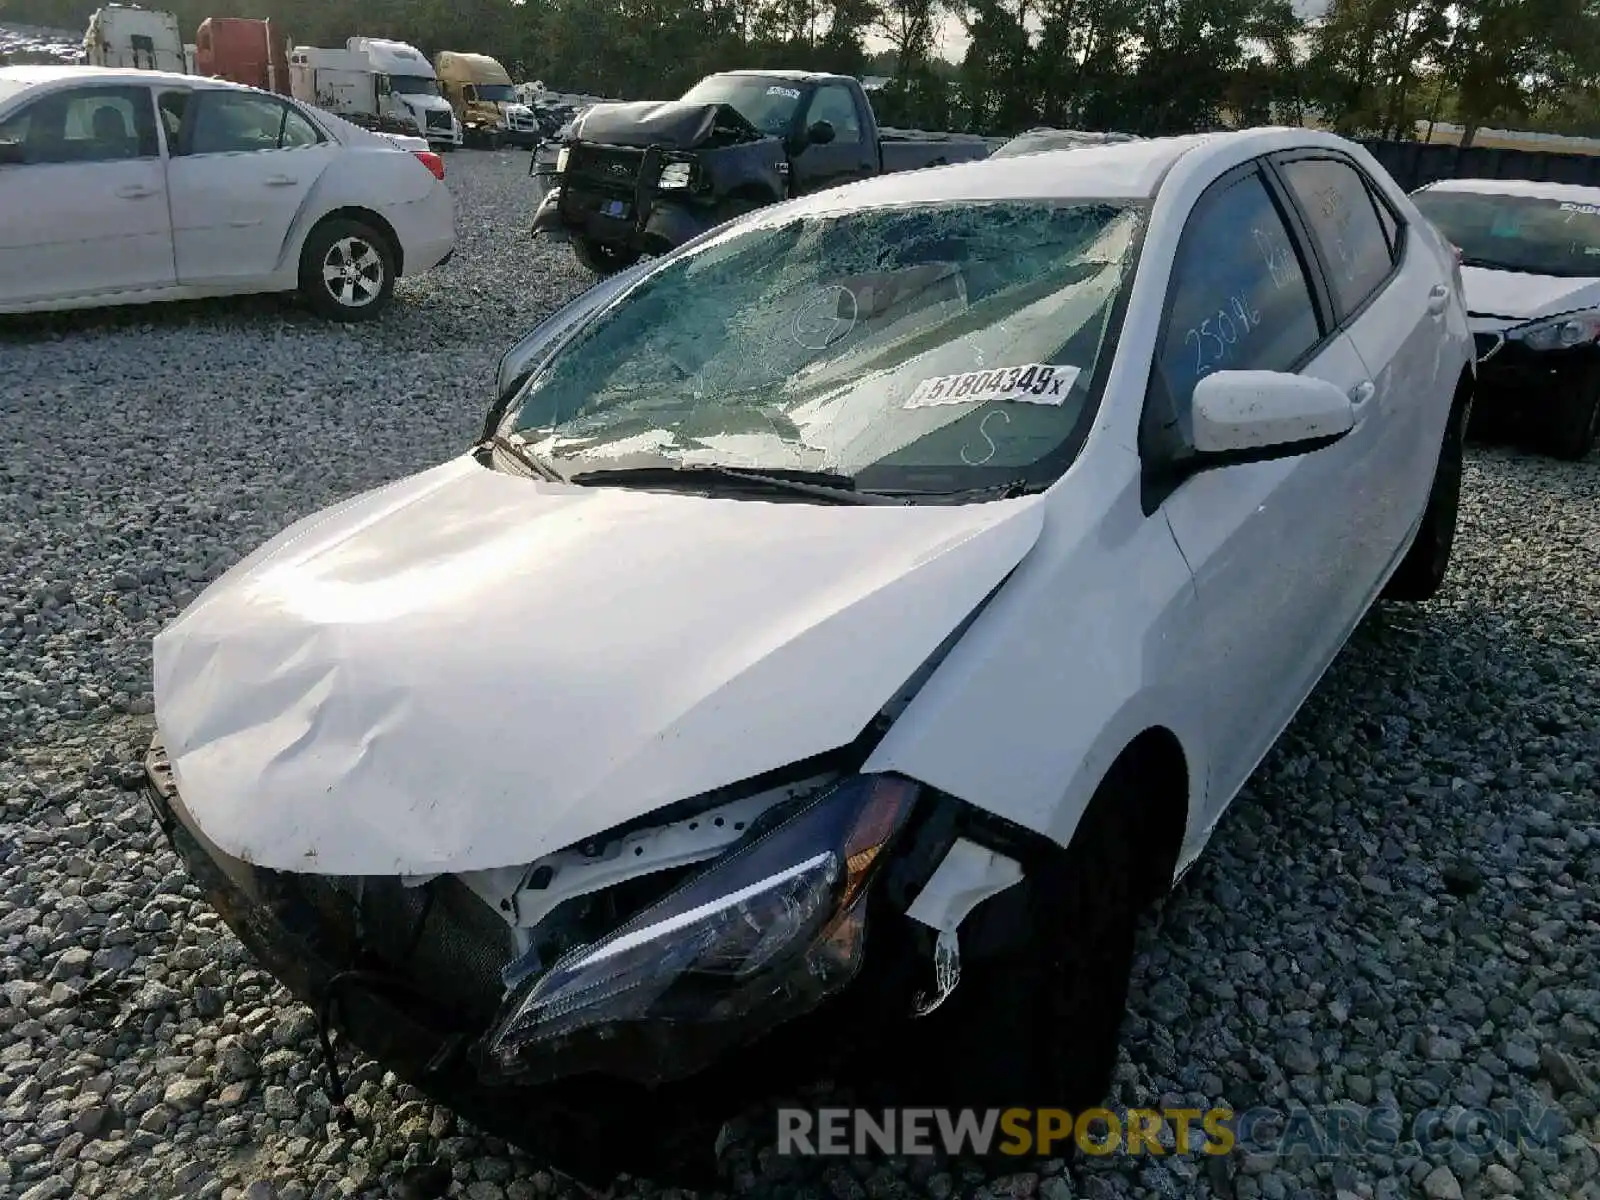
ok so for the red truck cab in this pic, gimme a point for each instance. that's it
(242, 50)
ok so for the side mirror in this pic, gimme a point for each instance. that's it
(820, 133)
(13, 154)
(1248, 416)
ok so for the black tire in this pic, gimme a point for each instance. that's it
(1573, 421)
(347, 270)
(604, 258)
(1421, 572)
(1039, 1026)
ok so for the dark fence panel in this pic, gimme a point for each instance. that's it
(1416, 163)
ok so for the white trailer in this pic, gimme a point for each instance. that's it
(124, 35)
(340, 81)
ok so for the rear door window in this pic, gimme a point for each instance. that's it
(1343, 219)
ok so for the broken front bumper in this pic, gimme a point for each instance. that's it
(420, 995)
(648, 224)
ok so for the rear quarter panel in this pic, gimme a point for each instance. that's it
(384, 179)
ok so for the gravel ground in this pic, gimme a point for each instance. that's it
(1400, 912)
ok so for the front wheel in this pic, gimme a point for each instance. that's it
(1421, 572)
(347, 271)
(1038, 1025)
(604, 258)
(1573, 421)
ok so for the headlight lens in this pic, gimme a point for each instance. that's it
(561, 159)
(676, 175)
(1559, 333)
(762, 935)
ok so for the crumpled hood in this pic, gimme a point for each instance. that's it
(670, 124)
(1517, 297)
(469, 669)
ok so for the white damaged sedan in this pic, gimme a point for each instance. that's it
(847, 625)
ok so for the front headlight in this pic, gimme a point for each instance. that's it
(1559, 333)
(676, 175)
(761, 936)
(561, 159)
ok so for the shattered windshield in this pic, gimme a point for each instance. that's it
(771, 105)
(935, 347)
(1517, 233)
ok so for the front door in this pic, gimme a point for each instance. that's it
(85, 210)
(1271, 544)
(850, 155)
(243, 167)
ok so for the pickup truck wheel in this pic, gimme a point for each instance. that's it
(603, 258)
(346, 270)
(1421, 572)
(1572, 424)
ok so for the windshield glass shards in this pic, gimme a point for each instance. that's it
(934, 347)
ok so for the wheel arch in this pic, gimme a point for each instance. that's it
(1158, 803)
(366, 216)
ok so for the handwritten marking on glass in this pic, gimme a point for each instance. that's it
(983, 432)
(826, 317)
(1278, 256)
(1215, 335)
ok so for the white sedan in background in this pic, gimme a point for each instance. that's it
(847, 624)
(122, 186)
(1530, 259)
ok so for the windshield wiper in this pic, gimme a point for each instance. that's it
(523, 455)
(823, 485)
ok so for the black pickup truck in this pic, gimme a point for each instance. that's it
(643, 178)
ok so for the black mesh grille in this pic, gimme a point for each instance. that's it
(609, 170)
(451, 945)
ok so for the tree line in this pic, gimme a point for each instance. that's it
(1362, 67)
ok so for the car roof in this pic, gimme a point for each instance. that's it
(29, 76)
(1537, 189)
(1120, 170)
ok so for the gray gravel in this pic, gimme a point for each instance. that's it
(1401, 911)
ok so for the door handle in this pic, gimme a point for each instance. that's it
(1363, 392)
(135, 191)
(281, 181)
(1438, 297)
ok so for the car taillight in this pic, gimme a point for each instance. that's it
(432, 161)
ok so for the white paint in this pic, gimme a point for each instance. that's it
(593, 653)
(968, 875)
(80, 235)
(1510, 297)
(469, 670)
(1252, 410)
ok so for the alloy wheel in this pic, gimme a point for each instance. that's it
(352, 271)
